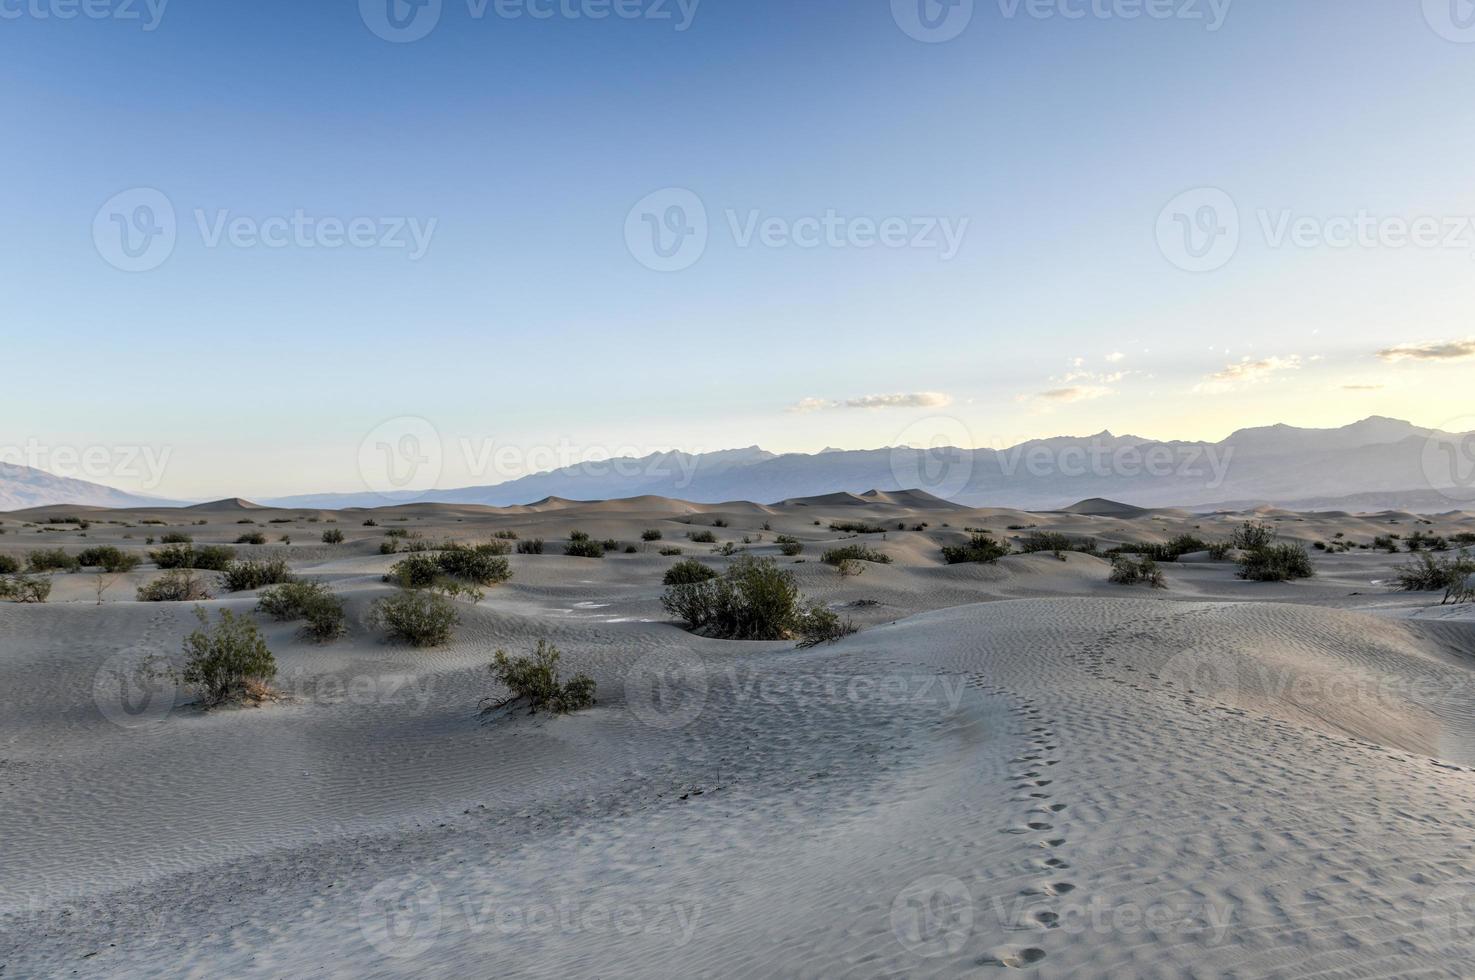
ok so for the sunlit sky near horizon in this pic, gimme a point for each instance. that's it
(1172, 227)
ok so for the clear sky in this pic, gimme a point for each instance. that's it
(1063, 219)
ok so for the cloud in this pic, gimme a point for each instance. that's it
(1449, 350)
(1246, 372)
(915, 399)
(1115, 357)
(1363, 387)
(1075, 393)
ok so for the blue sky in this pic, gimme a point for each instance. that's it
(518, 146)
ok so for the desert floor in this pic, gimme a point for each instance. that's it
(1017, 765)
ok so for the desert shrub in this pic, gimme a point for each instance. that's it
(817, 623)
(980, 549)
(506, 535)
(1174, 549)
(251, 537)
(369, 523)
(630, 549)
(856, 527)
(534, 680)
(174, 556)
(727, 549)
(389, 547)
(689, 572)
(333, 536)
(701, 537)
(482, 565)
(397, 532)
(533, 546)
(1253, 536)
(51, 560)
(312, 601)
(1276, 563)
(791, 549)
(1426, 573)
(415, 572)
(245, 576)
(610, 544)
(1388, 543)
(854, 552)
(109, 559)
(178, 585)
(578, 535)
(8, 565)
(1054, 542)
(229, 663)
(583, 548)
(419, 617)
(651, 535)
(173, 537)
(28, 589)
(670, 552)
(496, 546)
(1136, 571)
(755, 600)
(1464, 537)
(1219, 550)
(1419, 541)
(719, 522)
(850, 567)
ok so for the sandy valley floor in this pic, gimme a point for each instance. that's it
(1010, 766)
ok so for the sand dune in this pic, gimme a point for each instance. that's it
(1017, 765)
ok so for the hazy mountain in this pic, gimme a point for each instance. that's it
(1378, 458)
(22, 487)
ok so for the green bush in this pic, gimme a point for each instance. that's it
(482, 565)
(578, 536)
(506, 535)
(791, 549)
(251, 537)
(856, 527)
(530, 547)
(1183, 544)
(109, 559)
(818, 624)
(854, 552)
(701, 537)
(689, 572)
(51, 560)
(418, 571)
(1276, 563)
(333, 536)
(230, 663)
(535, 681)
(1254, 536)
(1041, 541)
(178, 585)
(8, 565)
(980, 549)
(670, 552)
(1136, 571)
(173, 537)
(419, 617)
(312, 601)
(1426, 573)
(651, 535)
(755, 600)
(27, 589)
(245, 576)
(583, 548)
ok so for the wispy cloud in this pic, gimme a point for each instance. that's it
(1362, 387)
(1246, 372)
(1448, 350)
(914, 399)
(1115, 357)
(1074, 393)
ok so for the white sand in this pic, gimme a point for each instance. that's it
(1011, 765)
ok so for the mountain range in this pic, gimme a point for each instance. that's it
(1376, 463)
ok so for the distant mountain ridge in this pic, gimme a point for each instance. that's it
(1378, 458)
(22, 487)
